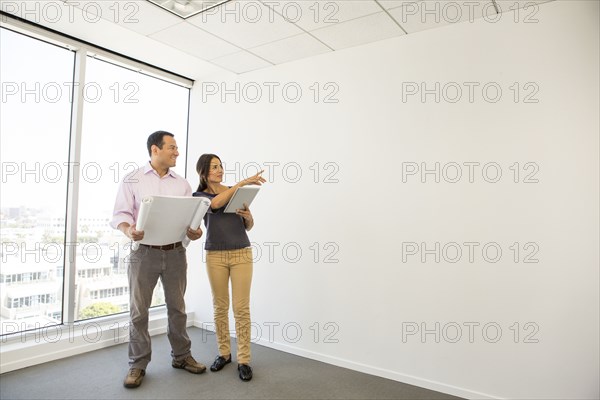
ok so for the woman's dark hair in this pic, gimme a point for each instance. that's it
(203, 169)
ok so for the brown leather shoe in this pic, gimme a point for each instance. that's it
(190, 365)
(134, 378)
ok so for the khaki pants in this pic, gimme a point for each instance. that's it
(237, 266)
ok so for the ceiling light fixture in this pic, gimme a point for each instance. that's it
(188, 8)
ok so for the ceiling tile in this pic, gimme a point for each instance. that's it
(194, 41)
(389, 4)
(245, 24)
(359, 31)
(427, 14)
(138, 15)
(315, 14)
(241, 62)
(529, 7)
(292, 48)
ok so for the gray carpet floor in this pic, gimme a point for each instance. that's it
(277, 375)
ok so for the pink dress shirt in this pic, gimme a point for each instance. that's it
(141, 183)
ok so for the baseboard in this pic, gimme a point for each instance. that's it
(367, 369)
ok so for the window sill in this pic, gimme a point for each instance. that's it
(25, 349)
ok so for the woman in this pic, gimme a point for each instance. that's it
(228, 256)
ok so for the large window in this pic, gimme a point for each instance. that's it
(42, 206)
(35, 118)
(123, 108)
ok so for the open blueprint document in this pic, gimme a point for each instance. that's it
(165, 219)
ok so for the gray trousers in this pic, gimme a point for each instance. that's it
(146, 266)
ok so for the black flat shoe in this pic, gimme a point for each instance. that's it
(245, 372)
(219, 363)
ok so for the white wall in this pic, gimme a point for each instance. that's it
(373, 298)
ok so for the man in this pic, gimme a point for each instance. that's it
(149, 263)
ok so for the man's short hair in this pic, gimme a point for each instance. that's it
(156, 139)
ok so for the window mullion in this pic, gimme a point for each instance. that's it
(70, 271)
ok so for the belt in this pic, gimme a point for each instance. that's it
(165, 247)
